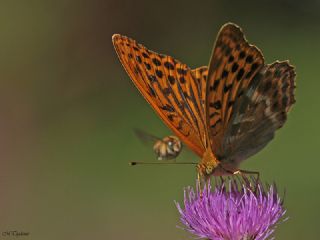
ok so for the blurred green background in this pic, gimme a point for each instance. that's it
(67, 110)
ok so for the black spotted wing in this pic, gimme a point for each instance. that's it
(169, 87)
(246, 101)
(260, 111)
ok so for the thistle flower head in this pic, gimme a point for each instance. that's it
(232, 210)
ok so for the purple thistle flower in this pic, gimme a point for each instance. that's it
(241, 211)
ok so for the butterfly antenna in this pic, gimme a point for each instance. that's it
(162, 163)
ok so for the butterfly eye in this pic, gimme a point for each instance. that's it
(170, 143)
(209, 169)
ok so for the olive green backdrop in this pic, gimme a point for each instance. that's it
(67, 110)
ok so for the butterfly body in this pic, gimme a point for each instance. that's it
(225, 112)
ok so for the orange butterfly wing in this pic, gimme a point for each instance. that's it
(246, 101)
(169, 87)
(200, 75)
(233, 65)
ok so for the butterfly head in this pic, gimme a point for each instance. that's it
(206, 169)
(208, 164)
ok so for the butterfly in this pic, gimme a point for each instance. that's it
(166, 148)
(224, 112)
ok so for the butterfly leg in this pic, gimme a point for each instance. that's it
(244, 173)
(199, 184)
(207, 185)
(257, 174)
(201, 181)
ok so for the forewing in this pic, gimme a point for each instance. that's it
(234, 63)
(169, 87)
(200, 75)
(260, 111)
